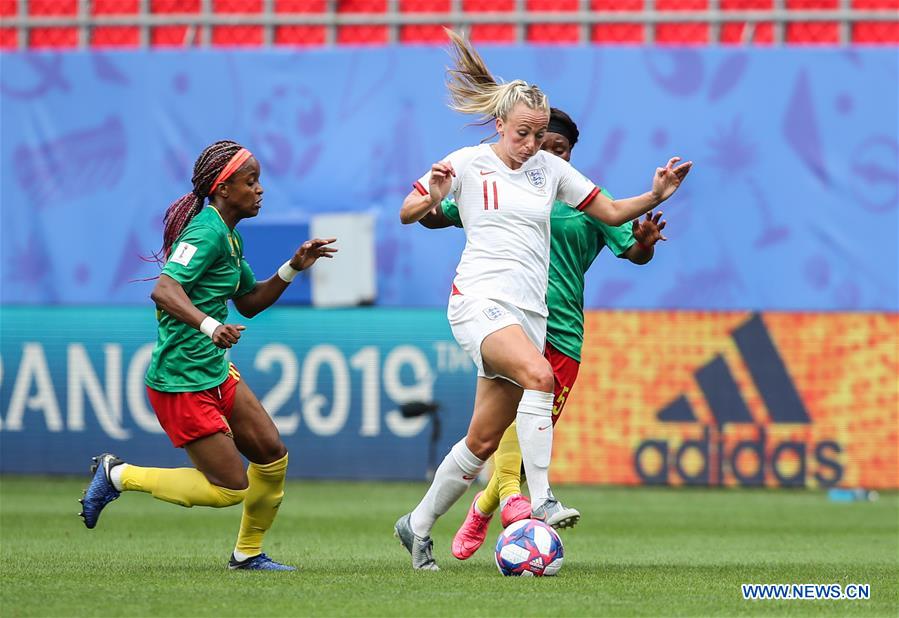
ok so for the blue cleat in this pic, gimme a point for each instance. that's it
(101, 490)
(258, 563)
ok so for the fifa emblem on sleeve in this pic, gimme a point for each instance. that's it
(183, 253)
(536, 177)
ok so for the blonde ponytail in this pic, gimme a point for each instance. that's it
(474, 90)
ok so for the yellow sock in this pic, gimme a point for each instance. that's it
(261, 504)
(185, 486)
(506, 478)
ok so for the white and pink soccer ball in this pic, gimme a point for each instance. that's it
(529, 548)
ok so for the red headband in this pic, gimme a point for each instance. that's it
(233, 165)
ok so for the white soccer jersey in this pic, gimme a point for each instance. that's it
(505, 214)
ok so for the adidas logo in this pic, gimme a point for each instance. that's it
(719, 456)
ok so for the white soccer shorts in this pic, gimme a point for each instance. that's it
(472, 319)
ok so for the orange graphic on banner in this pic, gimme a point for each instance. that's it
(734, 398)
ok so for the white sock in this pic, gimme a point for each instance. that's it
(535, 437)
(115, 476)
(240, 556)
(452, 479)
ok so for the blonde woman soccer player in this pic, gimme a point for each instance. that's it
(497, 310)
(575, 243)
(199, 397)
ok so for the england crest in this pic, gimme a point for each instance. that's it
(536, 177)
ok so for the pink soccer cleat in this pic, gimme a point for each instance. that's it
(472, 533)
(517, 507)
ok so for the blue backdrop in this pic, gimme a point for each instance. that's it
(72, 386)
(792, 204)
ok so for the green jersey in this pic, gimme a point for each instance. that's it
(207, 260)
(575, 241)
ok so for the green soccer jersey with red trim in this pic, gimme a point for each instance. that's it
(207, 260)
(575, 241)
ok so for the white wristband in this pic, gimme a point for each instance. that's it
(208, 326)
(287, 272)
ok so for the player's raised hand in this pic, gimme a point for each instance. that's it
(227, 335)
(441, 180)
(648, 231)
(667, 179)
(310, 251)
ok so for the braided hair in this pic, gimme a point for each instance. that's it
(207, 167)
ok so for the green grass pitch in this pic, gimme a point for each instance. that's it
(636, 552)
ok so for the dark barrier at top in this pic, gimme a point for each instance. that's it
(792, 204)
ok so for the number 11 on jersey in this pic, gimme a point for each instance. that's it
(495, 197)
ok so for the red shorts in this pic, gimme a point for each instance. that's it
(186, 417)
(565, 371)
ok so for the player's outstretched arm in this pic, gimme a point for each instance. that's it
(416, 205)
(265, 293)
(436, 220)
(647, 233)
(171, 298)
(665, 182)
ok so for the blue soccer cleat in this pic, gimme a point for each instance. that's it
(101, 490)
(258, 563)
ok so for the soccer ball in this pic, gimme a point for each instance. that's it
(529, 548)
